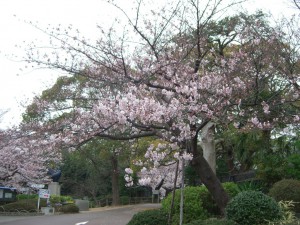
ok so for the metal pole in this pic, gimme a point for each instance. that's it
(181, 193)
(38, 206)
(173, 194)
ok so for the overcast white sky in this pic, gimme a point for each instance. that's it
(18, 87)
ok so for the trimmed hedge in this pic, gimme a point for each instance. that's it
(70, 208)
(29, 205)
(149, 217)
(253, 208)
(212, 221)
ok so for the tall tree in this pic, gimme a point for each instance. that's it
(171, 77)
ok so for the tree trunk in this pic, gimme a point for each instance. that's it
(208, 145)
(209, 178)
(115, 181)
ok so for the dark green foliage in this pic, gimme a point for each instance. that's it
(253, 207)
(212, 222)
(207, 201)
(69, 208)
(193, 205)
(287, 190)
(28, 205)
(292, 167)
(124, 200)
(149, 217)
(282, 163)
(252, 185)
(270, 170)
(191, 176)
(85, 167)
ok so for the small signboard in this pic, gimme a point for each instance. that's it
(44, 193)
(155, 192)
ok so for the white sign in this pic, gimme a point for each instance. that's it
(44, 193)
(155, 192)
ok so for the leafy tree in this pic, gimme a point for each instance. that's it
(80, 177)
(95, 169)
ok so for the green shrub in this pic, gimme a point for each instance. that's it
(287, 190)
(60, 199)
(55, 199)
(252, 207)
(66, 199)
(26, 196)
(209, 203)
(69, 208)
(231, 189)
(212, 221)
(149, 217)
(193, 208)
(201, 201)
(29, 205)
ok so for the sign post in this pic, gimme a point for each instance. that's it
(43, 193)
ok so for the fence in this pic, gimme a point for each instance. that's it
(249, 175)
(125, 201)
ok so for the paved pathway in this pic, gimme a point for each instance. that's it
(97, 216)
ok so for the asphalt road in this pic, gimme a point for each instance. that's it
(102, 216)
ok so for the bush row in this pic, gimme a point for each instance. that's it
(30, 204)
(245, 207)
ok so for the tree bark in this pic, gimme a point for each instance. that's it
(208, 145)
(209, 178)
(115, 182)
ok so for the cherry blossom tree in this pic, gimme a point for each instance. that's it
(160, 168)
(176, 72)
(24, 158)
